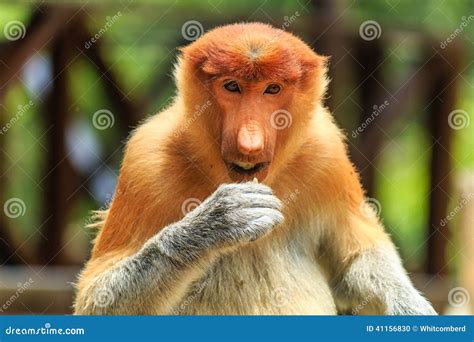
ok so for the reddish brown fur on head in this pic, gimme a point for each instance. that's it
(243, 123)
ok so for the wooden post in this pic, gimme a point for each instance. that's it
(370, 55)
(441, 97)
(56, 181)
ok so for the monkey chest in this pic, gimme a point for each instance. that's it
(261, 281)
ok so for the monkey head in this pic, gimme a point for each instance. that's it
(264, 85)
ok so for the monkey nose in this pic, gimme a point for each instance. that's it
(250, 141)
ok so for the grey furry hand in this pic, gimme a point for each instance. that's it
(409, 302)
(234, 214)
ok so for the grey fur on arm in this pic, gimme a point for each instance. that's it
(156, 278)
(375, 282)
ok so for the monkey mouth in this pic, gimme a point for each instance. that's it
(247, 171)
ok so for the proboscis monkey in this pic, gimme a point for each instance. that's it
(299, 241)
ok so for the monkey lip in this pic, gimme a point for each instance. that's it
(247, 171)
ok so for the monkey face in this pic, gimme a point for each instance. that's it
(248, 131)
(264, 84)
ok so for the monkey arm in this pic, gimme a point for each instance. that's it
(131, 285)
(371, 278)
(155, 279)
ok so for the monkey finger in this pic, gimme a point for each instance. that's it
(252, 187)
(263, 217)
(261, 201)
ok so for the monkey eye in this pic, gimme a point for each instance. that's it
(232, 86)
(272, 89)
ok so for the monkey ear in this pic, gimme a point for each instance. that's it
(314, 66)
(195, 56)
